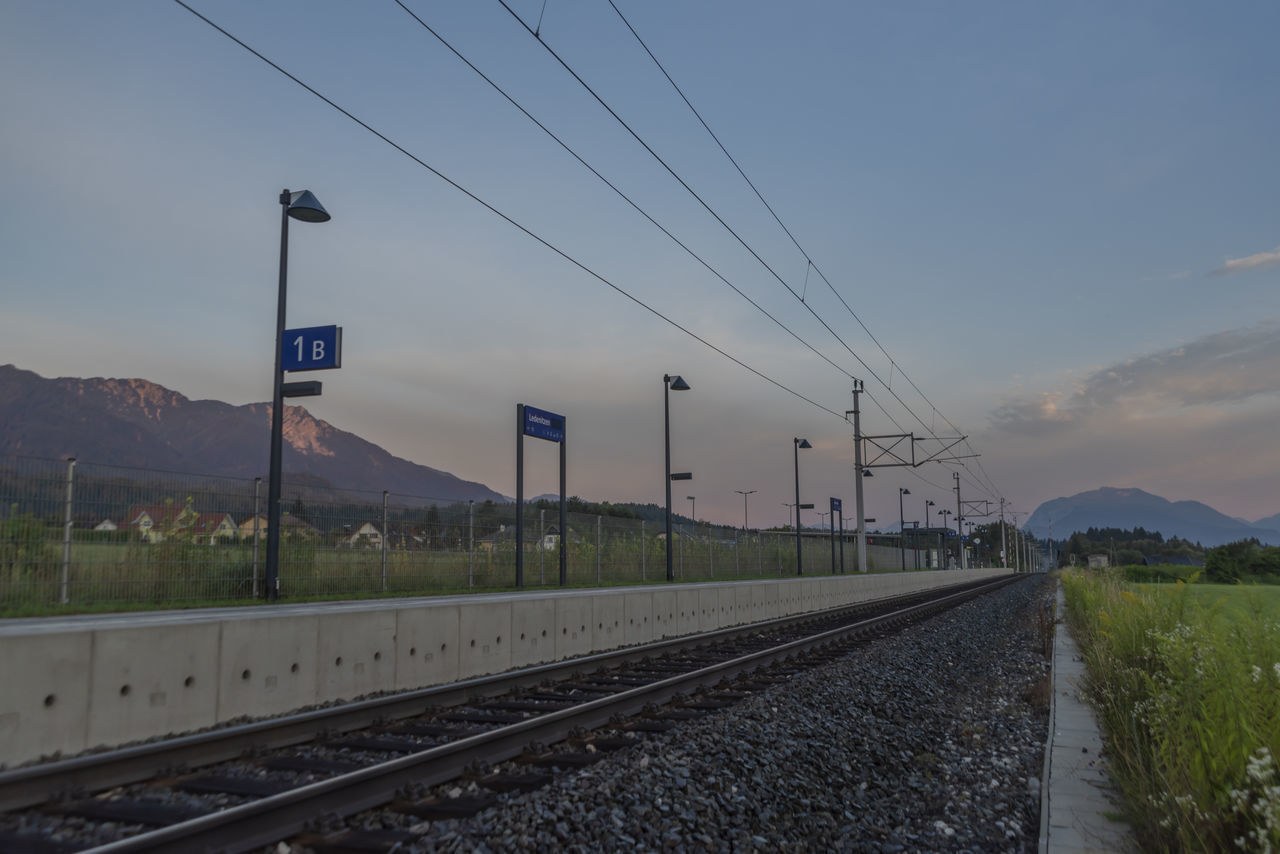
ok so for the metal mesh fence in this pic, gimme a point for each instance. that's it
(87, 534)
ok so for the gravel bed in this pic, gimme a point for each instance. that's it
(932, 740)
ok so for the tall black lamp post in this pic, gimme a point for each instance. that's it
(669, 384)
(799, 443)
(902, 534)
(300, 205)
(744, 493)
(946, 531)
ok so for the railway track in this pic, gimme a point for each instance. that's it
(241, 787)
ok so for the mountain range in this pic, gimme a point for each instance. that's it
(1110, 507)
(137, 423)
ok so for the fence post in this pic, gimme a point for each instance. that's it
(386, 535)
(471, 542)
(66, 534)
(681, 536)
(598, 518)
(642, 576)
(257, 517)
(542, 552)
(711, 551)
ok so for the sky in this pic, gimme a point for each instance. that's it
(1052, 229)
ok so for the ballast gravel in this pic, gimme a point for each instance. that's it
(929, 740)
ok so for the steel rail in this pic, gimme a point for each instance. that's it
(279, 816)
(35, 784)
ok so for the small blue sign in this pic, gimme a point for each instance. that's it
(543, 425)
(836, 506)
(315, 348)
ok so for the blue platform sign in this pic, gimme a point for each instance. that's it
(315, 348)
(543, 425)
(836, 505)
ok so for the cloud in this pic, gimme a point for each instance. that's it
(1223, 368)
(1257, 261)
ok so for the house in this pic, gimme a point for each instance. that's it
(551, 539)
(106, 525)
(290, 526)
(366, 536)
(247, 527)
(497, 539)
(212, 527)
(157, 522)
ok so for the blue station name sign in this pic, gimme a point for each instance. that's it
(315, 348)
(836, 505)
(543, 425)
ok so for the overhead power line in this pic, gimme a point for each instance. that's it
(508, 219)
(808, 258)
(536, 33)
(573, 153)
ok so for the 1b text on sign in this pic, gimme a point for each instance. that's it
(314, 348)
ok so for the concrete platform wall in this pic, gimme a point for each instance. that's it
(68, 684)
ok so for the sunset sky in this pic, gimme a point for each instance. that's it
(1060, 222)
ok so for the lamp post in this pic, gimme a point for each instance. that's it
(902, 534)
(300, 205)
(944, 513)
(671, 383)
(927, 521)
(744, 493)
(693, 510)
(799, 443)
(915, 544)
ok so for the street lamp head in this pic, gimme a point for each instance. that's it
(904, 490)
(676, 383)
(867, 473)
(928, 503)
(803, 443)
(304, 206)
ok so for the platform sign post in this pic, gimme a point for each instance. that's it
(540, 424)
(836, 518)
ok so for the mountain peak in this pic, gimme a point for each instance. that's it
(1130, 507)
(139, 423)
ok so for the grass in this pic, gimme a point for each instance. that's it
(1186, 680)
(106, 577)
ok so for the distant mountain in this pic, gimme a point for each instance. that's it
(1272, 522)
(133, 422)
(1110, 507)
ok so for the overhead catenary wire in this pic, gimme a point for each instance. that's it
(508, 219)
(683, 183)
(573, 153)
(795, 241)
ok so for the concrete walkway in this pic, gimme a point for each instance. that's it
(1077, 795)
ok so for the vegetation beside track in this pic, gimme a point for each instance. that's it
(1186, 681)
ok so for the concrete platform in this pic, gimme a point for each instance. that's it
(72, 683)
(1078, 802)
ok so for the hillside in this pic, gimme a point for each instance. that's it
(134, 422)
(1110, 507)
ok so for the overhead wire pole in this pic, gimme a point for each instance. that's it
(1004, 560)
(857, 478)
(964, 563)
